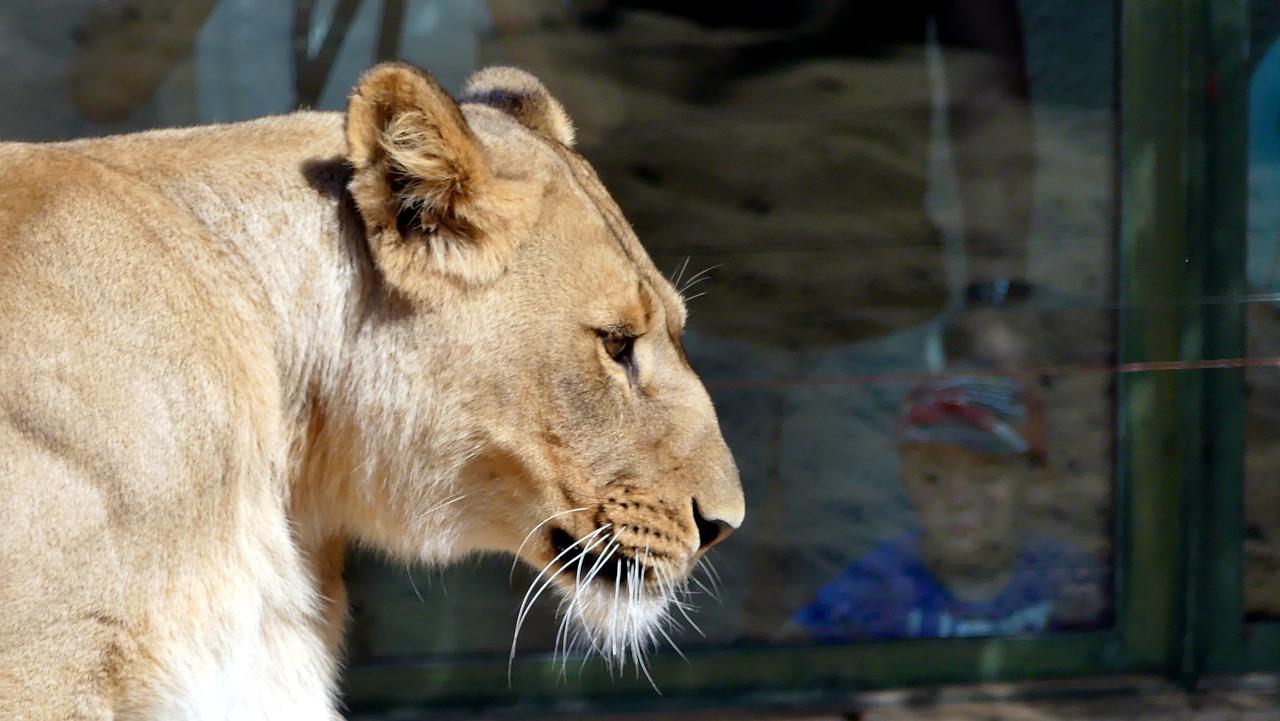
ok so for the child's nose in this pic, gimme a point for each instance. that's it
(961, 493)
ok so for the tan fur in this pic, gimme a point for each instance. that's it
(524, 97)
(231, 351)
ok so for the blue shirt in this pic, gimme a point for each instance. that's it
(890, 594)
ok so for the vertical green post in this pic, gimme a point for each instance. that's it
(1156, 273)
(1217, 591)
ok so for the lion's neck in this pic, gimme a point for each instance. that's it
(333, 319)
(270, 191)
(290, 226)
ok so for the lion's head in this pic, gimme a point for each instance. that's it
(522, 386)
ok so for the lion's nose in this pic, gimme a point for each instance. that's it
(710, 530)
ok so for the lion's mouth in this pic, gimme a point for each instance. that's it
(597, 557)
(618, 598)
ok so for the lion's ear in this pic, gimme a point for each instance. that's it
(422, 181)
(523, 97)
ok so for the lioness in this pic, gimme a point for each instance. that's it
(229, 351)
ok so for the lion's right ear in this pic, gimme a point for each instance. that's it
(423, 184)
(523, 97)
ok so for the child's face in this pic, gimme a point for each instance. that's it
(968, 502)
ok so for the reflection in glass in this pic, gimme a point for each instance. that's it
(1262, 422)
(852, 196)
(848, 193)
(969, 451)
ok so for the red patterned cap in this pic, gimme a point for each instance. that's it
(999, 416)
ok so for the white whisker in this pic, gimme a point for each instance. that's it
(684, 609)
(689, 286)
(409, 572)
(582, 557)
(674, 647)
(527, 603)
(712, 574)
(646, 611)
(443, 504)
(530, 596)
(529, 535)
(711, 589)
(696, 277)
(614, 616)
(680, 272)
(600, 561)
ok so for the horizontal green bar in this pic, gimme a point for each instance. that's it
(760, 676)
(1259, 650)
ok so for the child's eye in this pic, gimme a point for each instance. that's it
(932, 477)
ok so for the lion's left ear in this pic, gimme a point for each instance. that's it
(523, 97)
(423, 184)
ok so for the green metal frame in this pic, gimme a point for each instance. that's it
(1164, 477)
(1226, 644)
(1158, 54)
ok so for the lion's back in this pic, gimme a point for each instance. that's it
(118, 372)
(140, 419)
(132, 356)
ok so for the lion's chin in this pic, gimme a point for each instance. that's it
(618, 616)
(621, 622)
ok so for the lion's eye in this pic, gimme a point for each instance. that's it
(621, 348)
(618, 347)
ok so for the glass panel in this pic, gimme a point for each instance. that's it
(1262, 419)
(854, 200)
(894, 223)
(85, 67)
